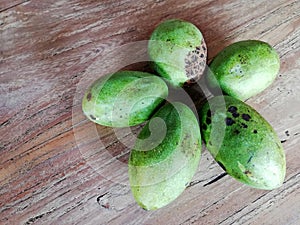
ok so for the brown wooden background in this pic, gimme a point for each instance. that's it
(58, 168)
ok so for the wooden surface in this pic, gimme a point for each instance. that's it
(56, 167)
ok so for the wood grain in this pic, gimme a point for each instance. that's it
(56, 167)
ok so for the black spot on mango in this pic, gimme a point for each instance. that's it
(229, 121)
(178, 51)
(236, 147)
(246, 117)
(89, 96)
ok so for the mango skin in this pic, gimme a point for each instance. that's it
(123, 99)
(244, 69)
(243, 142)
(178, 51)
(165, 156)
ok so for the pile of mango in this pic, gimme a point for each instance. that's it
(167, 151)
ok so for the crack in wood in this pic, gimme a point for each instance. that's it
(193, 183)
(13, 6)
(288, 135)
(6, 122)
(35, 218)
(101, 202)
(216, 179)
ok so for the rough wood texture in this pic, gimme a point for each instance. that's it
(56, 167)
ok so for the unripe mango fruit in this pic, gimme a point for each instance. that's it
(242, 142)
(165, 156)
(178, 51)
(125, 98)
(244, 69)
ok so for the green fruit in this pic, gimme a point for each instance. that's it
(243, 142)
(165, 156)
(178, 51)
(123, 99)
(244, 69)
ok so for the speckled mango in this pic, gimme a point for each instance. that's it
(123, 99)
(243, 142)
(165, 156)
(178, 51)
(244, 69)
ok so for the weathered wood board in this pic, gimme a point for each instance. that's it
(56, 167)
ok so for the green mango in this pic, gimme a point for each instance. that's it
(242, 142)
(178, 51)
(244, 69)
(125, 98)
(165, 156)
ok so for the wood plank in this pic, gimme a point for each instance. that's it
(56, 167)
